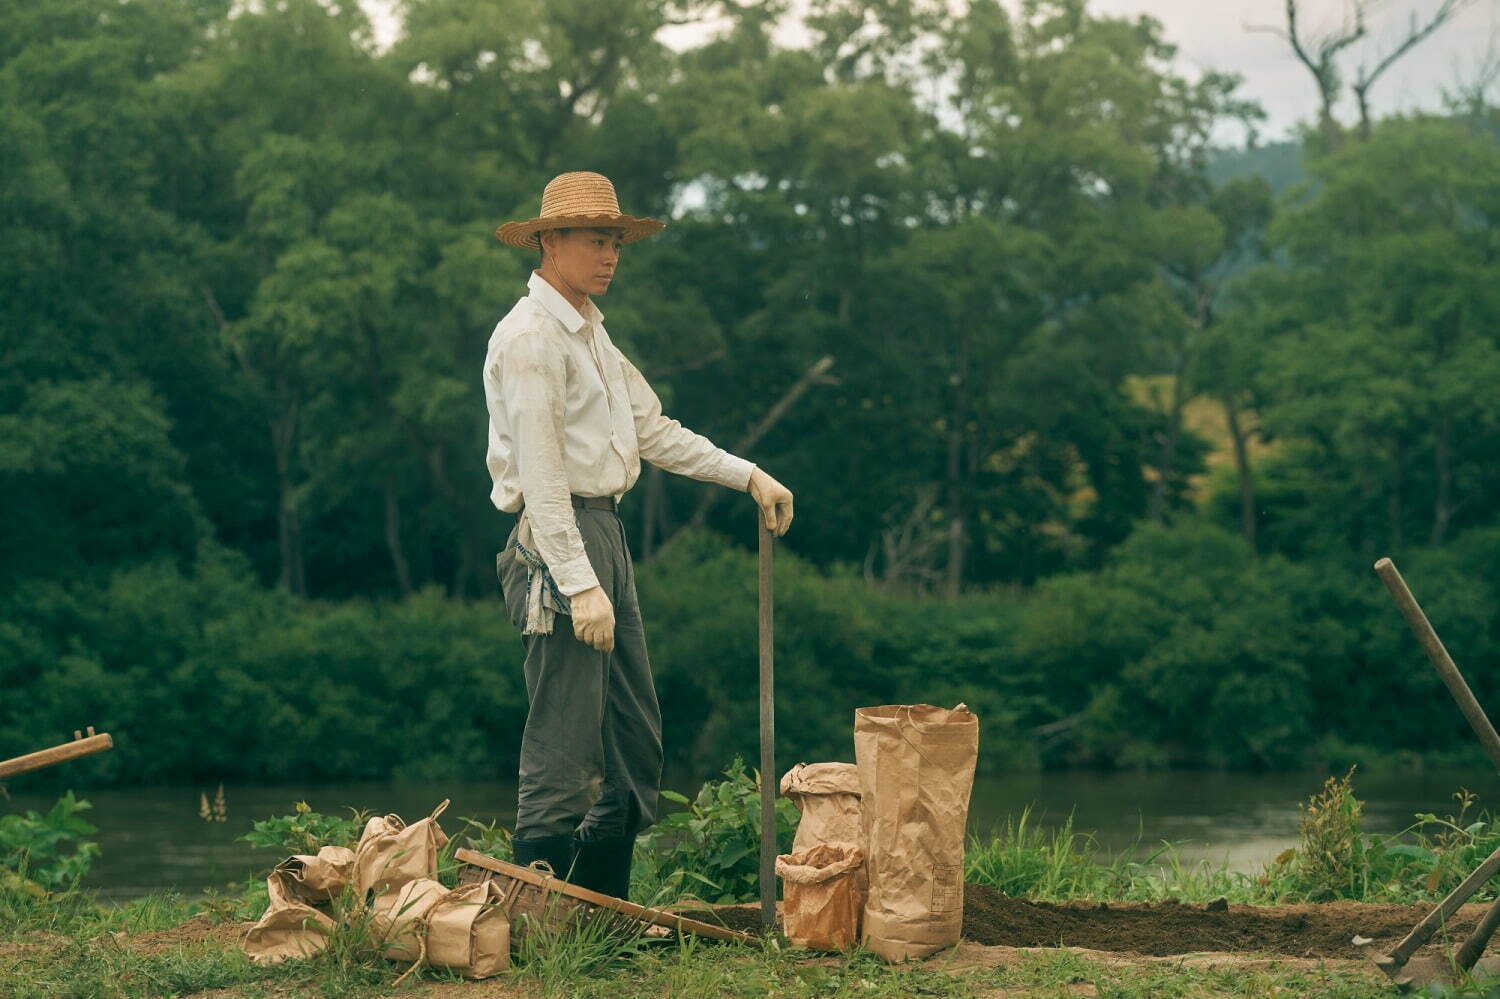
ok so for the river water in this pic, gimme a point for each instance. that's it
(152, 838)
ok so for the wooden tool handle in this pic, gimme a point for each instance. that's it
(57, 754)
(767, 734)
(1443, 662)
(657, 917)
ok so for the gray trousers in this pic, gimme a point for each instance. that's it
(591, 751)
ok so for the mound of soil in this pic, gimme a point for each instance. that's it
(1164, 928)
(745, 918)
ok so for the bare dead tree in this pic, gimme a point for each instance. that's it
(1415, 33)
(1320, 56)
(1324, 65)
(1470, 93)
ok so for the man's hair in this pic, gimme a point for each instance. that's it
(542, 250)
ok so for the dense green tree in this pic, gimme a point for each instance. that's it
(921, 266)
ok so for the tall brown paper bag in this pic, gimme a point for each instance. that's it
(916, 769)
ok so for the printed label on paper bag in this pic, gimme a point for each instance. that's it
(947, 887)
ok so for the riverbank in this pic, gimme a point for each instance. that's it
(1048, 912)
(153, 839)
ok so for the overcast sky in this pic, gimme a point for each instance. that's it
(1211, 34)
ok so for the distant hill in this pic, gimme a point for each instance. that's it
(1279, 162)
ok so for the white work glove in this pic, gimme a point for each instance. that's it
(775, 501)
(593, 618)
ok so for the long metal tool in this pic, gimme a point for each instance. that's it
(767, 735)
(1394, 963)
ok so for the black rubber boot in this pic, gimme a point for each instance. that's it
(604, 865)
(557, 851)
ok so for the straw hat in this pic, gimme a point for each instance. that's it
(580, 198)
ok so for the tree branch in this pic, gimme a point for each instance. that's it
(1363, 81)
(815, 375)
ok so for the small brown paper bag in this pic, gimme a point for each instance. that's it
(822, 895)
(391, 853)
(400, 914)
(827, 795)
(289, 928)
(916, 769)
(468, 932)
(317, 878)
(296, 930)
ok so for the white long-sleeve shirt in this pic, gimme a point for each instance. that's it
(569, 413)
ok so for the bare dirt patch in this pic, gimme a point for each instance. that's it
(1165, 929)
(198, 930)
(1324, 930)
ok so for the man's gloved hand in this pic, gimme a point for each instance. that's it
(593, 619)
(775, 501)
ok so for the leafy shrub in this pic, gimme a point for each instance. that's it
(306, 831)
(49, 849)
(712, 847)
(1441, 853)
(1331, 859)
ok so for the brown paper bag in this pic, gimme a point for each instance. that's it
(468, 932)
(290, 926)
(822, 895)
(316, 878)
(294, 930)
(916, 768)
(391, 853)
(400, 917)
(827, 795)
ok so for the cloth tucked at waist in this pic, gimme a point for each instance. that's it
(544, 600)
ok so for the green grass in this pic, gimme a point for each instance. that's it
(1333, 859)
(67, 943)
(93, 953)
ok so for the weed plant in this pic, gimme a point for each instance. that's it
(306, 831)
(1026, 860)
(1333, 859)
(51, 850)
(711, 848)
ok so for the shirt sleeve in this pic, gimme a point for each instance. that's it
(669, 445)
(532, 381)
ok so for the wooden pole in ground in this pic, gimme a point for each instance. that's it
(767, 735)
(1443, 662)
(1394, 962)
(1468, 954)
(1438, 917)
(80, 746)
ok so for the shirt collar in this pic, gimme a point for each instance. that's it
(562, 310)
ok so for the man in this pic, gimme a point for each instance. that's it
(570, 419)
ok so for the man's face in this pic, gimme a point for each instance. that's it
(585, 258)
